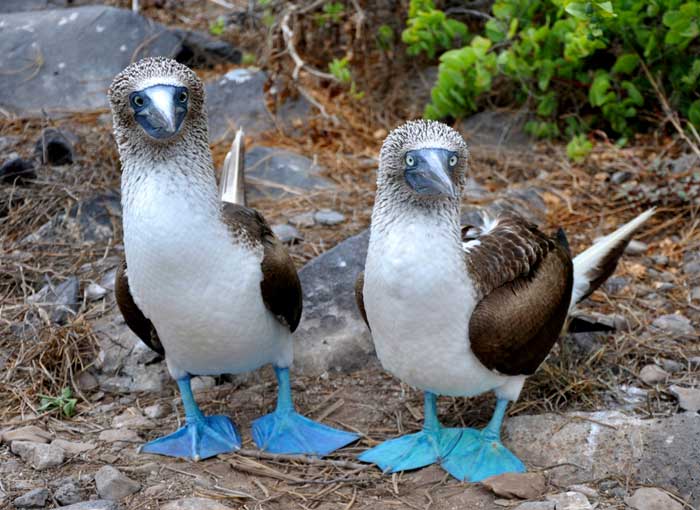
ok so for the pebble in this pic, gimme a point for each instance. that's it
(117, 435)
(67, 494)
(587, 491)
(570, 501)
(620, 176)
(329, 217)
(517, 485)
(649, 498)
(32, 499)
(636, 247)
(194, 504)
(113, 484)
(29, 433)
(692, 267)
(303, 220)
(132, 419)
(695, 294)
(688, 398)
(98, 504)
(73, 447)
(38, 455)
(203, 383)
(652, 374)
(536, 505)
(674, 323)
(157, 411)
(54, 148)
(17, 170)
(95, 291)
(661, 260)
(155, 491)
(87, 381)
(671, 365)
(287, 233)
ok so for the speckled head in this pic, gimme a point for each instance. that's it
(160, 98)
(424, 161)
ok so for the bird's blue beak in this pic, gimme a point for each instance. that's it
(160, 109)
(429, 171)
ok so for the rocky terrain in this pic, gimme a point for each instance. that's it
(609, 421)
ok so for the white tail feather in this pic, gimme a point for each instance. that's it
(232, 188)
(588, 262)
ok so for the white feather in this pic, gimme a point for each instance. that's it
(232, 188)
(588, 261)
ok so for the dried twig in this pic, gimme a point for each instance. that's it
(288, 35)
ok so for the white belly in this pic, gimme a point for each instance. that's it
(418, 301)
(199, 288)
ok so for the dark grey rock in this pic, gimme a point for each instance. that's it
(332, 334)
(659, 452)
(661, 260)
(200, 50)
(674, 323)
(34, 5)
(278, 172)
(615, 284)
(54, 148)
(65, 59)
(329, 217)
(32, 499)
(695, 294)
(98, 504)
(621, 176)
(17, 170)
(496, 129)
(113, 484)
(61, 301)
(287, 233)
(67, 494)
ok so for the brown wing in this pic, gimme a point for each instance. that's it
(359, 298)
(280, 287)
(137, 322)
(525, 287)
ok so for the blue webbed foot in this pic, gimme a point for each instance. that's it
(480, 454)
(412, 451)
(198, 440)
(286, 431)
(202, 436)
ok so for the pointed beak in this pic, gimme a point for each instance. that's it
(160, 110)
(428, 172)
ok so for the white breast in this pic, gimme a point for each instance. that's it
(200, 289)
(418, 299)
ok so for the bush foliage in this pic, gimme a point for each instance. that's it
(579, 65)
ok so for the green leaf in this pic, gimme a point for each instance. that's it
(577, 10)
(626, 63)
(694, 113)
(597, 94)
(578, 148)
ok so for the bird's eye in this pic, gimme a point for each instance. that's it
(182, 97)
(453, 160)
(410, 160)
(138, 100)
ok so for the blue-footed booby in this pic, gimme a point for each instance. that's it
(461, 311)
(204, 282)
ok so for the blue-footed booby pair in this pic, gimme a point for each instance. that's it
(204, 282)
(460, 311)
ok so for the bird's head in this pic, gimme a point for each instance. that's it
(158, 97)
(425, 161)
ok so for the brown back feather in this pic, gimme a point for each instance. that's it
(359, 297)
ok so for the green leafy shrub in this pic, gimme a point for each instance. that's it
(65, 403)
(578, 65)
(340, 69)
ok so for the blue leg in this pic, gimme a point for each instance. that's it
(286, 431)
(479, 455)
(201, 437)
(415, 450)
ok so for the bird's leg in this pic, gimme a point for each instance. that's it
(201, 437)
(412, 451)
(478, 456)
(286, 431)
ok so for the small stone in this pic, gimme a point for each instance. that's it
(329, 217)
(113, 484)
(671, 365)
(67, 494)
(649, 498)
(692, 267)
(132, 419)
(38, 455)
(688, 398)
(636, 247)
(695, 294)
(664, 286)
(536, 505)
(194, 504)
(73, 447)
(303, 220)
(98, 504)
(32, 499)
(517, 485)
(652, 374)
(95, 291)
(587, 491)
(287, 233)
(120, 435)
(29, 433)
(87, 381)
(54, 148)
(157, 411)
(202, 383)
(61, 301)
(661, 260)
(570, 501)
(674, 323)
(17, 170)
(155, 491)
(620, 176)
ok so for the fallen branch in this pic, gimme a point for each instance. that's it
(314, 461)
(288, 35)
